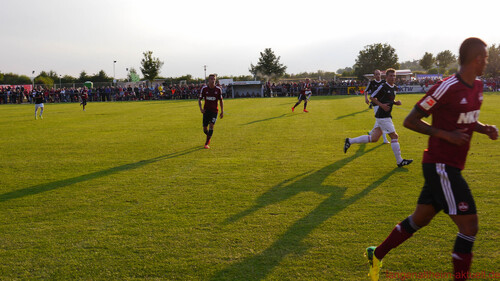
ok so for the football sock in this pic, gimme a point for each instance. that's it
(305, 105)
(397, 150)
(41, 111)
(205, 131)
(209, 136)
(296, 104)
(399, 234)
(462, 255)
(361, 139)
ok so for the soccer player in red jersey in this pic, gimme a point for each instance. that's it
(304, 95)
(84, 97)
(454, 104)
(210, 94)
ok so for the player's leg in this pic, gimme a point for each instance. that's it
(388, 126)
(372, 137)
(296, 104)
(462, 210)
(305, 105)
(36, 109)
(41, 111)
(422, 216)
(209, 134)
(462, 251)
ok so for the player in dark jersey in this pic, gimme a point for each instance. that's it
(305, 94)
(454, 104)
(372, 86)
(210, 94)
(84, 96)
(383, 98)
(39, 99)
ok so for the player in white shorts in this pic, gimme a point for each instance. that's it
(383, 97)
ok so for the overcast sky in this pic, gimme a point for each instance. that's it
(69, 36)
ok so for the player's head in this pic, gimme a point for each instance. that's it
(307, 80)
(390, 75)
(377, 74)
(474, 52)
(211, 79)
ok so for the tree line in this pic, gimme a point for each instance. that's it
(269, 68)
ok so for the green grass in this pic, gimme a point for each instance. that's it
(124, 191)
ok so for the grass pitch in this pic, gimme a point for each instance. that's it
(124, 191)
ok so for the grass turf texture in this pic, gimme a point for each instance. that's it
(125, 191)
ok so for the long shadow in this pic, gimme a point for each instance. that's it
(259, 266)
(36, 189)
(351, 114)
(270, 118)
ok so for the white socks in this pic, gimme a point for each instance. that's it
(397, 150)
(361, 139)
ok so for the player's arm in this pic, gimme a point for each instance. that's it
(415, 123)
(221, 108)
(489, 130)
(367, 101)
(199, 104)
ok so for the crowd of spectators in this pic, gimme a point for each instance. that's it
(190, 91)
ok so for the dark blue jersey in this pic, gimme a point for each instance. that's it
(386, 95)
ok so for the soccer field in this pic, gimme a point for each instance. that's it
(125, 191)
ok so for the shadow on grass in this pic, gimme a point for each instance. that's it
(352, 114)
(270, 118)
(62, 183)
(257, 267)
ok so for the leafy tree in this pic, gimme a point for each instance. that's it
(268, 67)
(101, 76)
(413, 65)
(45, 80)
(83, 77)
(14, 79)
(427, 61)
(150, 66)
(342, 70)
(493, 67)
(445, 58)
(68, 79)
(381, 56)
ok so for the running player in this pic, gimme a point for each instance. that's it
(384, 99)
(305, 94)
(372, 87)
(210, 94)
(39, 99)
(84, 97)
(454, 104)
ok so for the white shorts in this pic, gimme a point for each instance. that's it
(38, 105)
(385, 124)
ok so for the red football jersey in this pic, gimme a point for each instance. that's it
(211, 96)
(453, 105)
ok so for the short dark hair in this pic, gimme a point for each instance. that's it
(214, 75)
(389, 70)
(470, 49)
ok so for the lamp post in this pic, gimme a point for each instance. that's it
(205, 67)
(60, 84)
(33, 79)
(128, 76)
(114, 77)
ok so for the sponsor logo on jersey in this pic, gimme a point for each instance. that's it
(463, 101)
(211, 98)
(428, 103)
(468, 117)
(463, 206)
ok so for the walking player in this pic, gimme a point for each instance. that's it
(454, 104)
